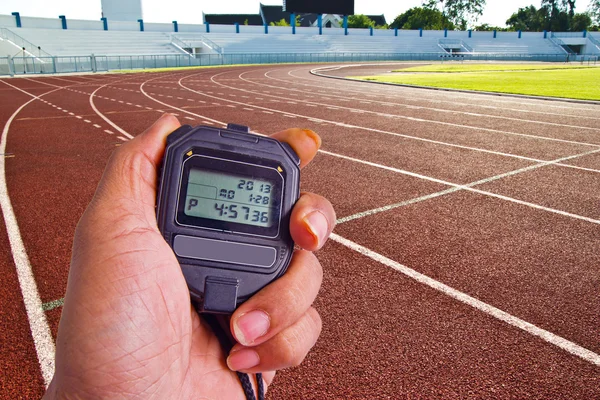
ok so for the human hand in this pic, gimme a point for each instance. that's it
(127, 328)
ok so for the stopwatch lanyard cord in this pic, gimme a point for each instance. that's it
(227, 342)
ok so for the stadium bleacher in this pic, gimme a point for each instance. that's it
(74, 42)
(188, 44)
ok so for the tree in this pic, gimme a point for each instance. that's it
(425, 18)
(281, 22)
(527, 19)
(285, 22)
(594, 10)
(360, 21)
(557, 15)
(463, 13)
(581, 22)
(488, 28)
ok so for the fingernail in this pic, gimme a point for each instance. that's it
(317, 225)
(251, 326)
(316, 138)
(243, 359)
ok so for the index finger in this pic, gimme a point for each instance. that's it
(305, 143)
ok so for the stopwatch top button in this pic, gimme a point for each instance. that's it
(239, 128)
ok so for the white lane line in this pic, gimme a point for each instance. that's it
(395, 205)
(402, 135)
(108, 121)
(87, 121)
(78, 117)
(454, 96)
(453, 102)
(97, 126)
(457, 188)
(109, 132)
(464, 187)
(503, 316)
(444, 111)
(122, 138)
(180, 109)
(40, 330)
(470, 189)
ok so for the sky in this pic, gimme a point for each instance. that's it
(495, 13)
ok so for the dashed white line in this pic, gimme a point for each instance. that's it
(97, 126)
(87, 121)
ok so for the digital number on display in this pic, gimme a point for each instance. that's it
(225, 197)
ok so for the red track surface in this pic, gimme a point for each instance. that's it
(526, 243)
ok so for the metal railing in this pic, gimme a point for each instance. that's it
(30, 48)
(560, 44)
(206, 41)
(454, 43)
(94, 63)
(180, 44)
(594, 41)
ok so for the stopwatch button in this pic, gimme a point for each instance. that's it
(238, 128)
(220, 294)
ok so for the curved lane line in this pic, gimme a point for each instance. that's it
(437, 100)
(458, 145)
(380, 114)
(387, 132)
(464, 187)
(40, 330)
(453, 94)
(176, 108)
(439, 110)
(92, 103)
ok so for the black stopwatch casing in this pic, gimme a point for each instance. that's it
(223, 205)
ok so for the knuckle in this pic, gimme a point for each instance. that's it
(293, 357)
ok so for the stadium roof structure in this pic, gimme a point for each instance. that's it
(378, 19)
(268, 14)
(231, 19)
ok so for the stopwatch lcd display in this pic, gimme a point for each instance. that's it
(229, 197)
(222, 194)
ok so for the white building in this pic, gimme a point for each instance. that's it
(122, 10)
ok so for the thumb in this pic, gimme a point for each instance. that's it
(128, 186)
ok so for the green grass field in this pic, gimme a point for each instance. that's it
(575, 82)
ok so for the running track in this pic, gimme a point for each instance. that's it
(465, 262)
